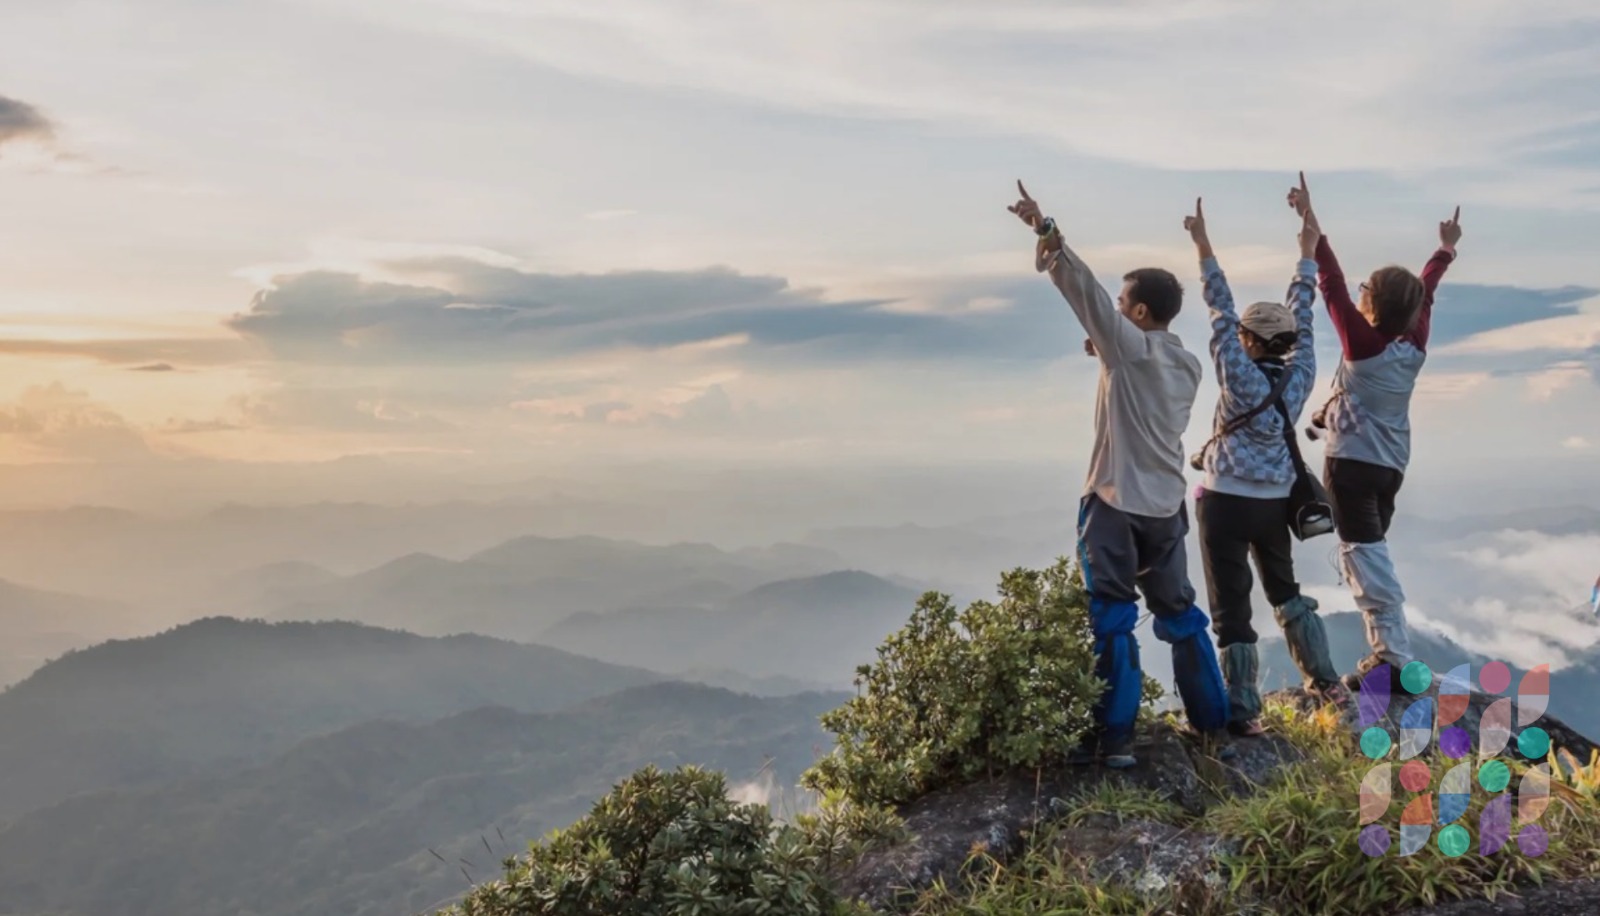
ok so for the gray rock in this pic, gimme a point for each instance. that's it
(993, 816)
(1557, 898)
(1150, 857)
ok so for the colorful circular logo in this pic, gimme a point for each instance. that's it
(1494, 776)
(1375, 742)
(1534, 743)
(1416, 677)
(1454, 841)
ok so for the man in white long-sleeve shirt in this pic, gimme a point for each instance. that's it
(1132, 520)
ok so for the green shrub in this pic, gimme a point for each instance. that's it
(666, 844)
(840, 830)
(956, 695)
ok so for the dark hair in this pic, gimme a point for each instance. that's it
(1279, 345)
(1396, 300)
(1159, 290)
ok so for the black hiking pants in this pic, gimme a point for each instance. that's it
(1362, 498)
(1234, 530)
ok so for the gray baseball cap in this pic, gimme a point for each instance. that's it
(1268, 319)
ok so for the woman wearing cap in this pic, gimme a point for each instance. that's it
(1264, 358)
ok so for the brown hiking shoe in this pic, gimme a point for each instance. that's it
(1249, 728)
(1332, 692)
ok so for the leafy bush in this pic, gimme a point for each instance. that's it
(955, 695)
(839, 831)
(668, 844)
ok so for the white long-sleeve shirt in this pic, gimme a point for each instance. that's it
(1148, 383)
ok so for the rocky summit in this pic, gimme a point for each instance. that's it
(958, 831)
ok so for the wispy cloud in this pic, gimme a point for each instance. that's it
(54, 423)
(1465, 84)
(32, 140)
(137, 352)
(487, 313)
(20, 121)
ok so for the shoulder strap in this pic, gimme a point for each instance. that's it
(1234, 424)
(1290, 440)
(1274, 396)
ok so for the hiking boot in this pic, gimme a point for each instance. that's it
(1216, 741)
(1085, 752)
(1246, 728)
(1116, 753)
(1352, 681)
(1329, 693)
(1241, 671)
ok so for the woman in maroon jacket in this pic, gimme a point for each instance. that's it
(1368, 421)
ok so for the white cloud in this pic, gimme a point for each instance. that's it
(1576, 443)
(1545, 385)
(1450, 386)
(1564, 333)
(1304, 86)
(373, 258)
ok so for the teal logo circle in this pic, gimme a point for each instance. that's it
(1494, 776)
(1416, 677)
(1375, 742)
(1534, 743)
(1454, 841)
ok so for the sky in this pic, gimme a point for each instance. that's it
(489, 234)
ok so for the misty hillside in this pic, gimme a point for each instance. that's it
(219, 690)
(343, 824)
(37, 625)
(1572, 687)
(517, 589)
(818, 628)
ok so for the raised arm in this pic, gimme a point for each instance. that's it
(1236, 372)
(1432, 273)
(1301, 363)
(1112, 336)
(1358, 338)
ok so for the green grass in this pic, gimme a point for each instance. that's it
(1123, 802)
(1298, 838)
(1297, 847)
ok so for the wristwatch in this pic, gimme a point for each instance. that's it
(1046, 228)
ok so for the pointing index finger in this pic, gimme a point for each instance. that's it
(1022, 190)
(1303, 188)
(1197, 209)
(1457, 217)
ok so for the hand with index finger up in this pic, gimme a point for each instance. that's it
(1300, 198)
(1196, 227)
(1026, 209)
(1450, 231)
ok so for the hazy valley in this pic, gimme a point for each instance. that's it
(352, 709)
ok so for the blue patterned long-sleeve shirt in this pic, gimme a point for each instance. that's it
(1253, 460)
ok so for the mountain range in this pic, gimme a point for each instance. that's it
(384, 818)
(815, 628)
(221, 692)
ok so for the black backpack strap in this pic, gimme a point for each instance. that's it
(1235, 424)
(1290, 440)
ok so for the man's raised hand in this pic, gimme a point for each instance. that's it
(1026, 209)
(1196, 227)
(1300, 198)
(1450, 230)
